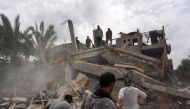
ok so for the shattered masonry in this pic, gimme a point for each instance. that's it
(141, 57)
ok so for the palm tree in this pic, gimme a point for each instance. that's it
(13, 42)
(27, 44)
(2, 43)
(10, 37)
(43, 38)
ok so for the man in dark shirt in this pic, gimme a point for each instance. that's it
(101, 98)
(109, 36)
(88, 42)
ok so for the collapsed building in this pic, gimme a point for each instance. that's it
(141, 57)
(142, 60)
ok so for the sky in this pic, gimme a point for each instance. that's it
(119, 15)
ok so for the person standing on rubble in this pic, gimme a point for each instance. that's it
(101, 98)
(98, 36)
(130, 97)
(78, 42)
(88, 42)
(62, 104)
(109, 36)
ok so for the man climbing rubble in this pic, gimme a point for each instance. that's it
(130, 97)
(101, 98)
(65, 104)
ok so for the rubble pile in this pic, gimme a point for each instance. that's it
(42, 99)
(145, 63)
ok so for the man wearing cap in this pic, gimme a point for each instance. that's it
(128, 97)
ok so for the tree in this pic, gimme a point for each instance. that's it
(43, 38)
(183, 70)
(10, 38)
(27, 44)
(14, 42)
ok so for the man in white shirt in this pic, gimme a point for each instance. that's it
(128, 97)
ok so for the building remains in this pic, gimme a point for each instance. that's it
(139, 56)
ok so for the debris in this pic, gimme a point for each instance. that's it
(35, 107)
(146, 63)
(143, 62)
(20, 106)
(4, 105)
(19, 100)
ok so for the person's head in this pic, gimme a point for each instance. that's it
(68, 98)
(87, 37)
(76, 37)
(128, 82)
(107, 81)
(98, 26)
(108, 29)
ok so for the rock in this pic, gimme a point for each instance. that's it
(19, 100)
(35, 107)
(21, 106)
(12, 106)
(4, 105)
(6, 99)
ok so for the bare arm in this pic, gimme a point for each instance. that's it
(141, 97)
(119, 103)
(142, 94)
(120, 99)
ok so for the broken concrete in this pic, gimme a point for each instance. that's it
(144, 63)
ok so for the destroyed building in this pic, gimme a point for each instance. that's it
(131, 50)
(146, 63)
(140, 56)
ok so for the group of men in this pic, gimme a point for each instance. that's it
(128, 98)
(98, 35)
(98, 41)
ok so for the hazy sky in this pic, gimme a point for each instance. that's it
(119, 15)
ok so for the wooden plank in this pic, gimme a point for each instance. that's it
(73, 86)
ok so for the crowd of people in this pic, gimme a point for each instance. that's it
(98, 38)
(129, 97)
